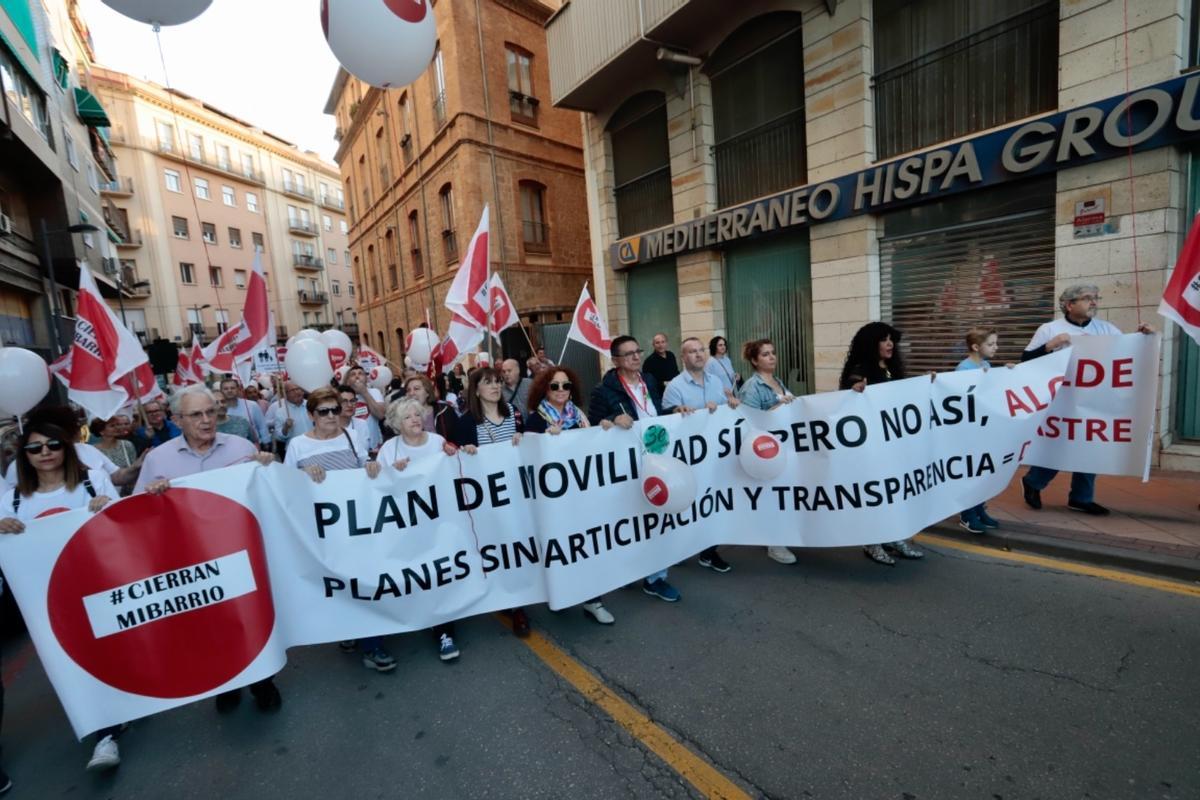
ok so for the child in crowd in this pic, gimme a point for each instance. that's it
(982, 344)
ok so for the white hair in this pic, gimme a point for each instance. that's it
(1076, 291)
(196, 389)
(401, 408)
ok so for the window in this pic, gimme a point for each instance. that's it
(344, 226)
(187, 272)
(257, 239)
(208, 232)
(948, 68)
(228, 197)
(439, 87)
(214, 276)
(414, 235)
(196, 146)
(331, 256)
(327, 222)
(172, 180)
(180, 226)
(449, 238)
(758, 120)
(384, 160)
(248, 165)
(350, 288)
(347, 255)
(336, 288)
(393, 278)
(195, 317)
(406, 127)
(252, 202)
(92, 179)
(222, 316)
(202, 188)
(521, 102)
(641, 164)
(239, 278)
(72, 156)
(235, 237)
(166, 137)
(534, 230)
(223, 158)
(23, 94)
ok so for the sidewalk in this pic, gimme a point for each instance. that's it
(1154, 527)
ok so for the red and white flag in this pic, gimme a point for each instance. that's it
(189, 368)
(587, 326)
(218, 356)
(141, 384)
(468, 295)
(463, 338)
(1181, 295)
(504, 313)
(237, 346)
(103, 352)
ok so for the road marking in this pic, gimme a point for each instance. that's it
(693, 769)
(1158, 584)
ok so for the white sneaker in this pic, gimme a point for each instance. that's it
(104, 756)
(781, 554)
(599, 613)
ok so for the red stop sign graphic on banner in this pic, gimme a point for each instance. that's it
(766, 446)
(164, 596)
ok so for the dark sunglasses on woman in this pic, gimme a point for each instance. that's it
(326, 411)
(566, 387)
(53, 445)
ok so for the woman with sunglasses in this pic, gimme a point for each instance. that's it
(329, 446)
(50, 480)
(490, 420)
(554, 400)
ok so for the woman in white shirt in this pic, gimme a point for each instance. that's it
(412, 443)
(50, 479)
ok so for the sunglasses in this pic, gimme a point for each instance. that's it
(327, 411)
(565, 387)
(630, 353)
(53, 445)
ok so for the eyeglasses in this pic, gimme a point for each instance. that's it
(564, 387)
(1087, 298)
(33, 448)
(629, 353)
(327, 411)
(198, 415)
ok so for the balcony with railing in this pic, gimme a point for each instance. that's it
(311, 298)
(332, 202)
(121, 187)
(133, 240)
(765, 159)
(644, 202)
(536, 236)
(450, 246)
(305, 261)
(116, 218)
(240, 171)
(132, 285)
(302, 226)
(294, 189)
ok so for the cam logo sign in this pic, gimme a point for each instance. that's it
(628, 252)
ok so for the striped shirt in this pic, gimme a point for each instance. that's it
(488, 432)
(344, 451)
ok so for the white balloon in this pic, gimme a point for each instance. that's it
(307, 363)
(306, 333)
(483, 359)
(24, 380)
(386, 43)
(408, 361)
(341, 372)
(160, 12)
(340, 346)
(379, 377)
(667, 483)
(762, 457)
(420, 344)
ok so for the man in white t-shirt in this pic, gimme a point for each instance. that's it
(1078, 303)
(370, 407)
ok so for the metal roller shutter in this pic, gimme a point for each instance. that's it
(936, 284)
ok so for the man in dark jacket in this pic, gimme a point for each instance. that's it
(626, 394)
(661, 362)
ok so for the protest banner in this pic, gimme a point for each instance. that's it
(161, 600)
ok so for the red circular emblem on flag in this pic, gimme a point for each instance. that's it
(656, 491)
(765, 447)
(164, 596)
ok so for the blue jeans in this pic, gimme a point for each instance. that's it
(661, 575)
(1083, 484)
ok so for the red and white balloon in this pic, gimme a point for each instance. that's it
(762, 457)
(380, 377)
(386, 43)
(340, 346)
(420, 344)
(667, 483)
(160, 12)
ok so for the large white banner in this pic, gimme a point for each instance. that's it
(159, 601)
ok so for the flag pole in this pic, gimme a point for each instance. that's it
(568, 339)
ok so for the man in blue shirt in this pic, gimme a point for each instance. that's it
(691, 390)
(160, 429)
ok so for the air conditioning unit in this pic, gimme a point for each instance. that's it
(6, 227)
(109, 265)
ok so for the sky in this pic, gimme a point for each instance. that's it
(263, 61)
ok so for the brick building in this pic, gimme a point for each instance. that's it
(796, 168)
(418, 164)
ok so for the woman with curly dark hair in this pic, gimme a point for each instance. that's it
(874, 357)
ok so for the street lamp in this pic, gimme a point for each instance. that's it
(52, 302)
(121, 287)
(198, 330)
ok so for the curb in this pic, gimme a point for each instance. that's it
(1043, 541)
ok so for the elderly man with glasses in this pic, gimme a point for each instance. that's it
(160, 428)
(1078, 304)
(201, 448)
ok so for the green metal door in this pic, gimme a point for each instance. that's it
(768, 294)
(653, 292)
(1187, 395)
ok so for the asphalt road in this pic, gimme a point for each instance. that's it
(962, 676)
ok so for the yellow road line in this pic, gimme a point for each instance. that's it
(1158, 584)
(693, 769)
